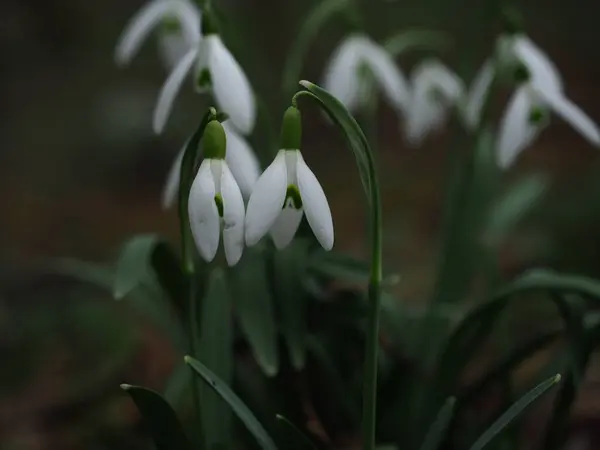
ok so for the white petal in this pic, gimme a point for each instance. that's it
(315, 204)
(424, 116)
(572, 114)
(285, 227)
(543, 72)
(478, 93)
(266, 200)
(233, 217)
(341, 77)
(138, 29)
(241, 160)
(388, 76)
(516, 132)
(204, 216)
(171, 189)
(172, 46)
(232, 89)
(171, 88)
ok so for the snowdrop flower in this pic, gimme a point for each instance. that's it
(216, 205)
(345, 74)
(213, 67)
(435, 88)
(540, 93)
(286, 191)
(477, 94)
(240, 159)
(180, 21)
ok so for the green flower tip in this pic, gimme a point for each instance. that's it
(512, 20)
(306, 84)
(213, 113)
(210, 25)
(125, 387)
(187, 359)
(521, 74)
(291, 129)
(214, 140)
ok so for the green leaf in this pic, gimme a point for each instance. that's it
(514, 411)
(289, 270)
(133, 264)
(514, 205)
(437, 431)
(417, 40)
(96, 274)
(236, 405)
(254, 309)
(216, 348)
(315, 20)
(352, 132)
(301, 437)
(159, 418)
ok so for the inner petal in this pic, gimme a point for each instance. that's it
(293, 199)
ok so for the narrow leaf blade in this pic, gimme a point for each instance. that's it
(133, 263)
(438, 428)
(159, 418)
(234, 402)
(514, 411)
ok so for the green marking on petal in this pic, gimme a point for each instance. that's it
(204, 79)
(521, 74)
(293, 197)
(219, 203)
(537, 115)
(170, 25)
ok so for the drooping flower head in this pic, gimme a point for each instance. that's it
(240, 158)
(215, 203)
(179, 30)
(214, 68)
(357, 67)
(540, 91)
(286, 191)
(435, 89)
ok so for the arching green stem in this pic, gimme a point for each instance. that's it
(367, 169)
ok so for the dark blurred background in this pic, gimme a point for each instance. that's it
(81, 171)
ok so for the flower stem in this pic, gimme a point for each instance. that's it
(374, 298)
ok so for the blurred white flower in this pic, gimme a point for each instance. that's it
(180, 20)
(216, 205)
(215, 67)
(531, 104)
(285, 191)
(435, 89)
(347, 77)
(240, 158)
(477, 94)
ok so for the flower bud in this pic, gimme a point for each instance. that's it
(291, 129)
(214, 140)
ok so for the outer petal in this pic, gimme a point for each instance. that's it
(544, 73)
(233, 217)
(241, 160)
(285, 227)
(171, 188)
(315, 204)
(573, 114)
(341, 74)
(138, 29)
(516, 132)
(204, 216)
(190, 18)
(170, 89)
(388, 76)
(478, 93)
(266, 200)
(232, 89)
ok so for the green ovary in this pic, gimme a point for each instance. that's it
(204, 79)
